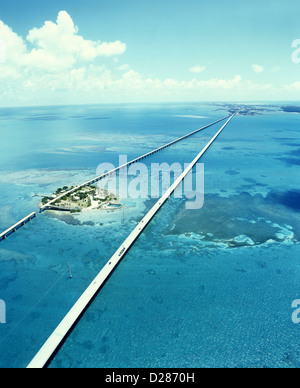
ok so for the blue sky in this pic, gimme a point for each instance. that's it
(167, 50)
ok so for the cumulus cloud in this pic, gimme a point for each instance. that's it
(295, 86)
(169, 86)
(2, 52)
(58, 45)
(55, 64)
(258, 68)
(197, 69)
(55, 46)
(12, 46)
(51, 60)
(125, 67)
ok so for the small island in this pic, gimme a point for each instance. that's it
(85, 198)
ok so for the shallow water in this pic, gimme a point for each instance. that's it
(211, 287)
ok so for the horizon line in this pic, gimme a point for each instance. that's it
(223, 102)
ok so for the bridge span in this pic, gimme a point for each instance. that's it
(17, 226)
(48, 206)
(65, 327)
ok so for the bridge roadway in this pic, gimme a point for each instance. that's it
(49, 205)
(61, 332)
(17, 226)
(92, 181)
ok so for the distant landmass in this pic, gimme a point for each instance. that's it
(291, 109)
(248, 109)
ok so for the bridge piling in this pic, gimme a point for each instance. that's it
(18, 225)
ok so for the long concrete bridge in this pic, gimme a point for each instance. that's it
(45, 354)
(49, 204)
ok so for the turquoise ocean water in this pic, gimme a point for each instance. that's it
(200, 288)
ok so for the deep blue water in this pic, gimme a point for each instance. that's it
(205, 288)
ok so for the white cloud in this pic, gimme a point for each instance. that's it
(53, 47)
(222, 84)
(293, 87)
(13, 46)
(58, 46)
(2, 51)
(125, 67)
(258, 68)
(135, 81)
(197, 69)
(54, 64)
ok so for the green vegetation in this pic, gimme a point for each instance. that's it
(46, 200)
(82, 198)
